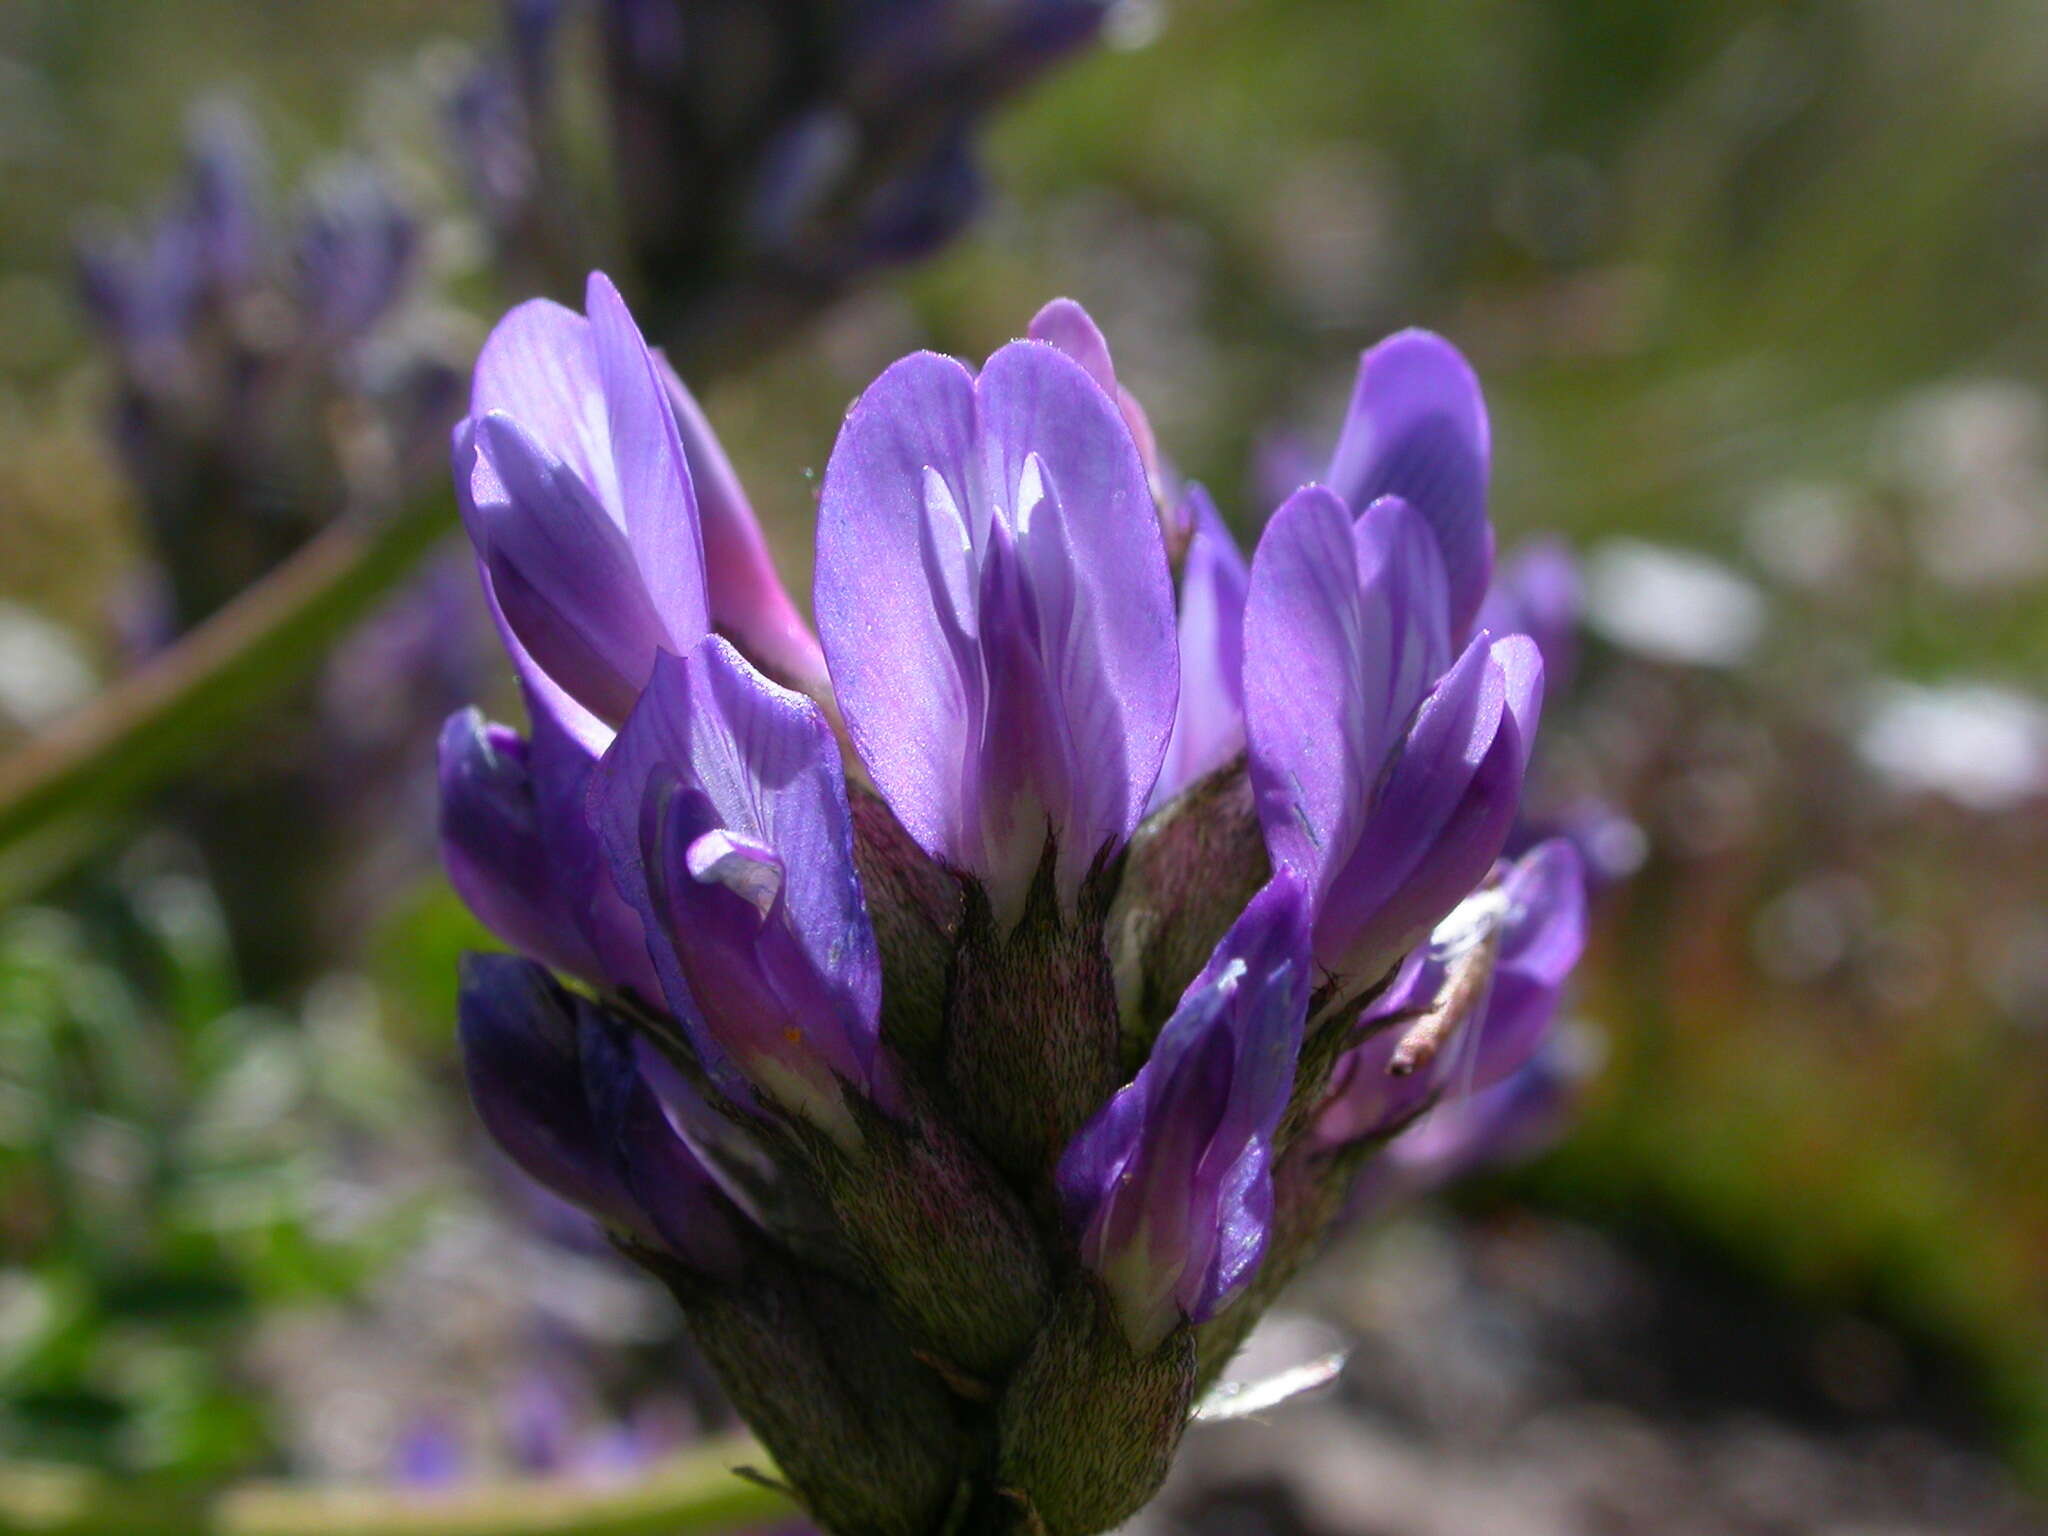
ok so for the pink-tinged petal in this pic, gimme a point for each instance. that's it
(561, 572)
(722, 793)
(1417, 429)
(1208, 722)
(656, 499)
(898, 632)
(1067, 326)
(749, 603)
(1344, 634)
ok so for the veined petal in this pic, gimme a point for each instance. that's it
(539, 367)
(1417, 429)
(1208, 722)
(1020, 489)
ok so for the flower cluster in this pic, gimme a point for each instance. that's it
(241, 349)
(984, 1002)
(764, 155)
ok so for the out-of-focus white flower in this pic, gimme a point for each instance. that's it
(1672, 604)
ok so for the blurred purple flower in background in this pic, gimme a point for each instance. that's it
(764, 156)
(269, 378)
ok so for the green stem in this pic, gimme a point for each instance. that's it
(693, 1494)
(63, 788)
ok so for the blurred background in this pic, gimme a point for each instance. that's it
(1756, 288)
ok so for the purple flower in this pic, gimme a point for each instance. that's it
(354, 252)
(555, 1082)
(993, 597)
(1169, 1188)
(1537, 915)
(1387, 774)
(724, 812)
(1417, 429)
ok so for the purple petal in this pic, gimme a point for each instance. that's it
(1208, 724)
(896, 625)
(1067, 326)
(1546, 933)
(561, 571)
(785, 998)
(1443, 814)
(521, 1054)
(539, 367)
(1417, 429)
(657, 502)
(492, 845)
(1543, 918)
(1344, 634)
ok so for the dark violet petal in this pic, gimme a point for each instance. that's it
(492, 845)
(521, 1056)
(655, 493)
(1208, 723)
(749, 603)
(1417, 429)
(678, 1204)
(787, 998)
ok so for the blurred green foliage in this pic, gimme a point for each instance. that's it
(169, 1168)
